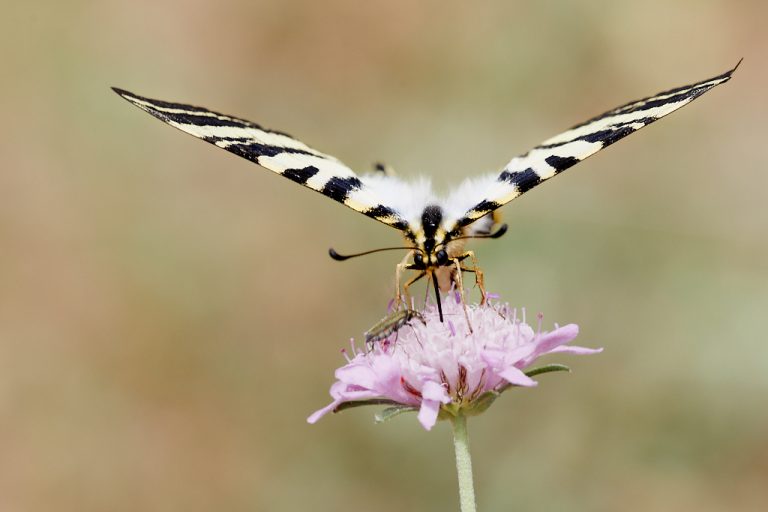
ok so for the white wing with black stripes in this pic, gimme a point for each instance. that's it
(286, 156)
(553, 156)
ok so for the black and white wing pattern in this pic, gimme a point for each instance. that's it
(557, 154)
(283, 155)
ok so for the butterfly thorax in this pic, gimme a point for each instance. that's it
(433, 245)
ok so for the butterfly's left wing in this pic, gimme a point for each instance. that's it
(477, 198)
(284, 155)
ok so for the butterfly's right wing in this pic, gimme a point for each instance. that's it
(279, 153)
(477, 198)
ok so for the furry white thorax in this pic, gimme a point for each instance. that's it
(409, 198)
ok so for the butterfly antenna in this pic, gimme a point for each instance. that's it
(341, 257)
(497, 234)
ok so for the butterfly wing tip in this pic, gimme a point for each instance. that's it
(728, 74)
(123, 93)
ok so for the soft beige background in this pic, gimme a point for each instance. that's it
(169, 316)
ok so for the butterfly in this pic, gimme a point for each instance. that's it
(435, 228)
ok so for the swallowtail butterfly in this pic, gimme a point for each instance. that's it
(435, 228)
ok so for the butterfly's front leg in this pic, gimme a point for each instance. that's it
(404, 265)
(407, 285)
(398, 277)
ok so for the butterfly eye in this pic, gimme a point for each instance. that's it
(418, 259)
(442, 257)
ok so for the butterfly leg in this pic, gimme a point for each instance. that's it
(409, 283)
(460, 285)
(479, 280)
(426, 288)
(403, 265)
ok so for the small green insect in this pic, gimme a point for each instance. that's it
(391, 323)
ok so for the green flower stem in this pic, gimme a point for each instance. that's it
(463, 463)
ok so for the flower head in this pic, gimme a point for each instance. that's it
(457, 366)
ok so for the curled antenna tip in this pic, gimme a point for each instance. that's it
(499, 232)
(336, 256)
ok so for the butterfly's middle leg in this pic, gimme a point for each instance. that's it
(475, 268)
(460, 285)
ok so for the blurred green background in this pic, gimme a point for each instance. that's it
(169, 316)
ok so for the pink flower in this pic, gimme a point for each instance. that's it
(443, 368)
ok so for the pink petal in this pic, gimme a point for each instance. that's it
(432, 395)
(434, 391)
(551, 340)
(338, 389)
(517, 377)
(428, 413)
(357, 374)
(386, 368)
(493, 357)
(322, 412)
(341, 395)
(579, 351)
(352, 395)
(521, 352)
(557, 337)
(498, 358)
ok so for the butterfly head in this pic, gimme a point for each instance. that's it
(430, 240)
(439, 244)
(432, 245)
